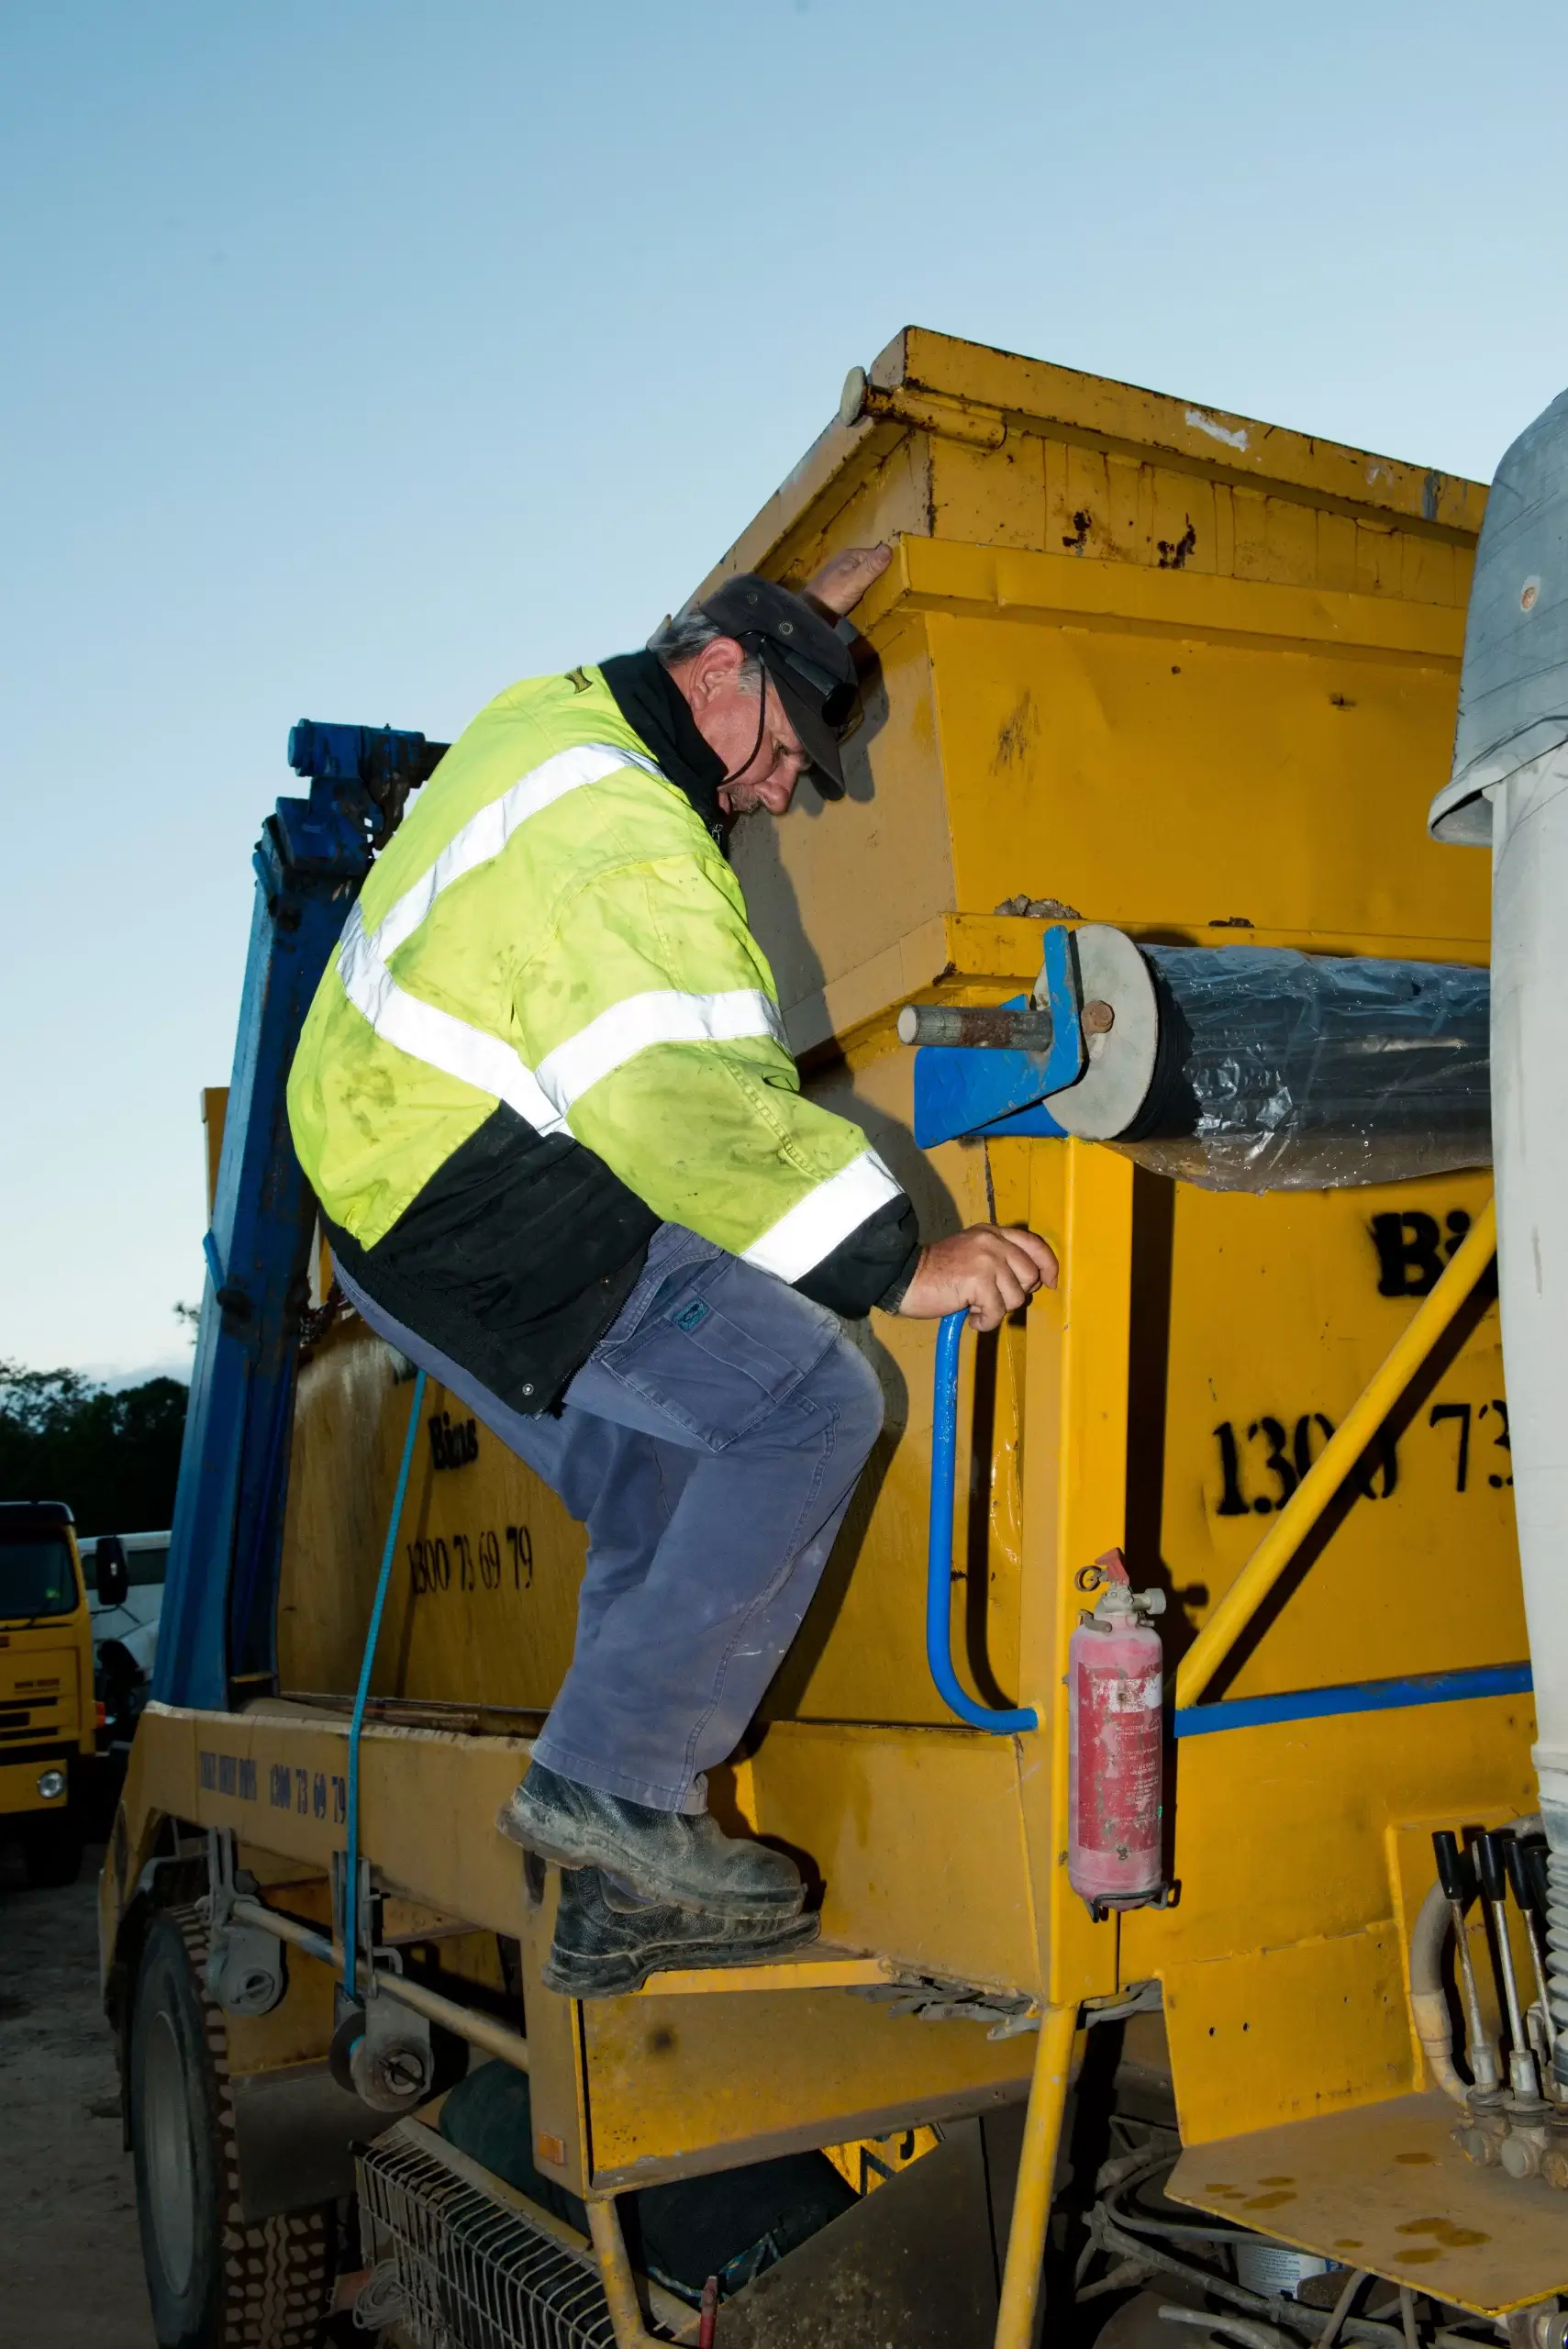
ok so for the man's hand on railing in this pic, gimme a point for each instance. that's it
(990, 1270)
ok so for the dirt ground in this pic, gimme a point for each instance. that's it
(70, 2259)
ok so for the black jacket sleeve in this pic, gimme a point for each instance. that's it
(873, 1266)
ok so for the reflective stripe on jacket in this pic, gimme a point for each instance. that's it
(552, 928)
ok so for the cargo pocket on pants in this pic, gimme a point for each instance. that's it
(728, 1347)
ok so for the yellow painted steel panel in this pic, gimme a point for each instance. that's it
(1295, 1906)
(675, 2085)
(1388, 2190)
(279, 1779)
(1276, 1322)
(1133, 775)
(1280, 1829)
(917, 1837)
(1281, 2033)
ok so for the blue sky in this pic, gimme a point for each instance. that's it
(361, 357)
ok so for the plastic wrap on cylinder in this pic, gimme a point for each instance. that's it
(1280, 1071)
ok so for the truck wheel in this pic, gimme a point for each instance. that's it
(53, 1850)
(215, 2281)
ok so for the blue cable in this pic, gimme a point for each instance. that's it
(352, 1889)
(938, 1574)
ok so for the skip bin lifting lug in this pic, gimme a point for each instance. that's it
(381, 2049)
(245, 1969)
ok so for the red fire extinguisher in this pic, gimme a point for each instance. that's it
(1115, 1677)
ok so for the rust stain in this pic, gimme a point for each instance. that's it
(1347, 2242)
(1276, 2181)
(1268, 2201)
(1453, 2238)
(1174, 552)
(1411, 2160)
(1083, 523)
(1418, 2258)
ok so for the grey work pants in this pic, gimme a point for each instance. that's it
(710, 1444)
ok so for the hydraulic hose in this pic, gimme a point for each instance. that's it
(1429, 2001)
(1247, 2329)
(362, 1694)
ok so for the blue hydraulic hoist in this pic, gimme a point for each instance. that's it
(216, 1643)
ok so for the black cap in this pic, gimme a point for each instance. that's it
(807, 659)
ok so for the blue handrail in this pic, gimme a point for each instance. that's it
(357, 1720)
(939, 1575)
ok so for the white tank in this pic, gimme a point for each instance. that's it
(1509, 790)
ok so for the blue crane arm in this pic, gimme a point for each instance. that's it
(216, 1642)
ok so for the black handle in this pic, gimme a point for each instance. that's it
(1536, 1877)
(1488, 1860)
(1454, 1868)
(1516, 1859)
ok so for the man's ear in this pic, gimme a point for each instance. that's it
(838, 587)
(709, 670)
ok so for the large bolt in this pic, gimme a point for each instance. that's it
(1520, 2156)
(1477, 2145)
(391, 2077)
(1097, 1018)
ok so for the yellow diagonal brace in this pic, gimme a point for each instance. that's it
(1323, 1480)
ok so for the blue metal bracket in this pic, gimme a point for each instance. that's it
(938, 1555)
(961, 1089)
(218, 1630)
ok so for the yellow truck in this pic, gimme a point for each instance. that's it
(48, 1718)
(1151, 682)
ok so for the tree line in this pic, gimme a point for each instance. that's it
(113, 1458)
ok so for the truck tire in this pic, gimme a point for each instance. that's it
(214, 2280)
(51, 1851)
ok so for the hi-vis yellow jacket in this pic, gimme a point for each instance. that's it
(553, 936)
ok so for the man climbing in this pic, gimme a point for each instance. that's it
(564, 1162)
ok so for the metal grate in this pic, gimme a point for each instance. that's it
(474, 2272)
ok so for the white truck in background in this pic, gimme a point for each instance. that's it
(125, 1628)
